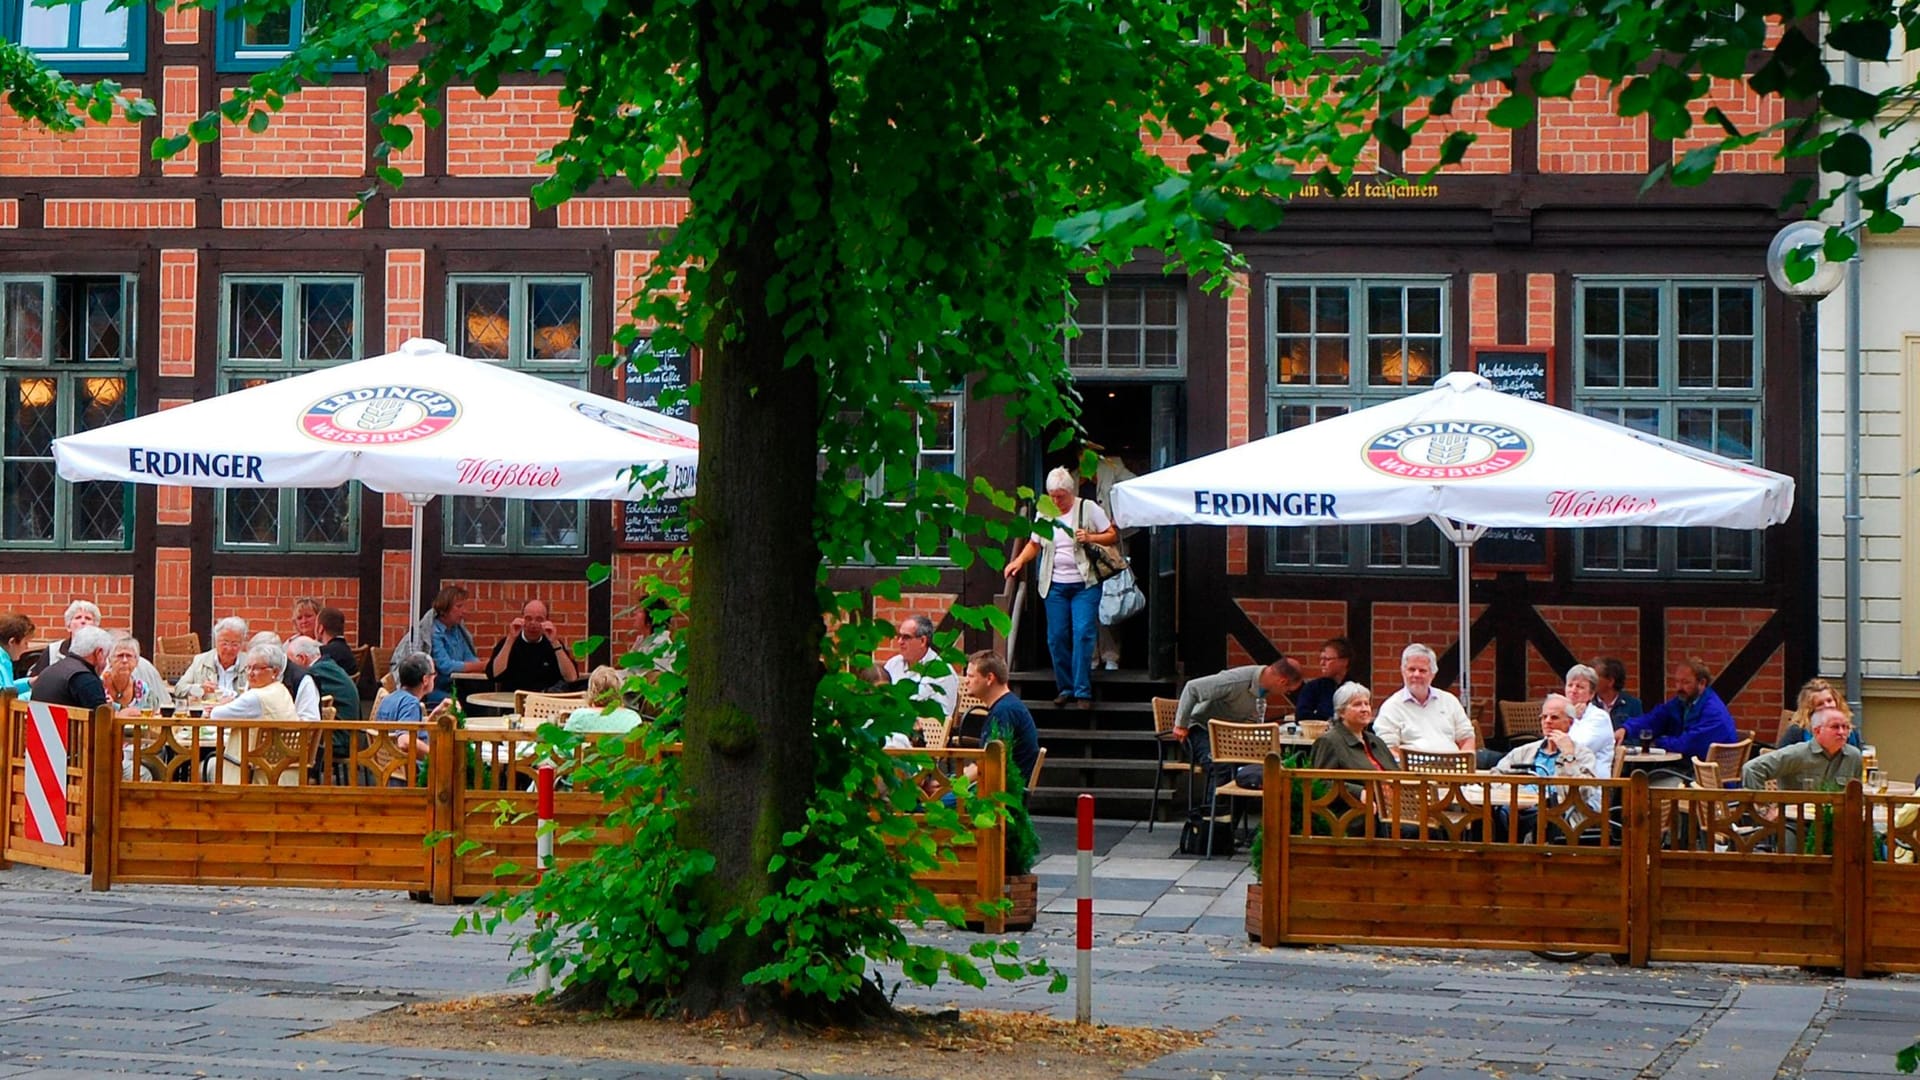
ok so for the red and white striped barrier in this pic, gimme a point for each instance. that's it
(543, 852)
(46, 792)
(1083, 944)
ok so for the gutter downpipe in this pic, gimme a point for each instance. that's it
(1850, 75)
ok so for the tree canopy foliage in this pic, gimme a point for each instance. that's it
(887, 202)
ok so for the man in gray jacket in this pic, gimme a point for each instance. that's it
(1232, 695)
(1826, 763)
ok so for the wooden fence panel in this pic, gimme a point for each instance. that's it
(1891, 892)
(308, 836)
(74, 856)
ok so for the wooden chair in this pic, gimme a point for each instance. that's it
(1773, 737)
(1461, 761)
(1238, 744)
(1619, 753)
(276, 758)
(363, 662)
(1034, 780)
(188, 643)
(543, 707)
(388, 684)
(382, 658)
(1482, 718)
(933, 732)
(1520, 721)
(1172, 755)
(171, 665)
(1730, 757)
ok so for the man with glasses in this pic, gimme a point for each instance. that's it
(916, 662)
(1555, 754)
(1825, 764)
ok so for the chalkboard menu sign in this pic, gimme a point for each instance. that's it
(1526, 373)
(662, 389)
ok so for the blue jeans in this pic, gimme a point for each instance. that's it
(1073, 622)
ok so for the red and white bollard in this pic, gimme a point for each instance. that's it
(1083, 944)
(543, 851)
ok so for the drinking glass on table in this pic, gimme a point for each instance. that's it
(1646, 740)
(1876, 781)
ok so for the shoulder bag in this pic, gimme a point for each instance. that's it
(1103, 560)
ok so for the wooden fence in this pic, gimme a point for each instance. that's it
(1612, 866)
(345, 805)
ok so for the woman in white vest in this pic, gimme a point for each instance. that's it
(1066, 584)
(264, 699)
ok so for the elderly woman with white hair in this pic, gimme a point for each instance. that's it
(133, 685)
(1066, 584)
(265, 698)
(217, 672)
(80, 613)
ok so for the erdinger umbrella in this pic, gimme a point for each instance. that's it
(1467, 457)
(420, 422)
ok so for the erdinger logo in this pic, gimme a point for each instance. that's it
(634, 425)
(1448, 450)
(380, 415)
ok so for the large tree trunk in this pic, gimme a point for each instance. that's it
(753, 647)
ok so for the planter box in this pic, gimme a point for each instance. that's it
(1253, 912)
(1024, 891)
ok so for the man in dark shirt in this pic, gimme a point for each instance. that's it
(327, 677)
(1007, 717)
(333, 640)
(1315, 699)
(531, 656)
(75, 679)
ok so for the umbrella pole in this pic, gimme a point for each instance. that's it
(1463, 537)
(419, 504)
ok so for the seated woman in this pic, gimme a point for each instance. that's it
(133, 685)
(1351, 743)
(607, 713)
(1817, 694)
(16, 641)
(265, 698)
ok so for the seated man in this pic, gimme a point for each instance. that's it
(1825, 764)
(531, 656)
(917, 663)
(1420, 716)
(1233, 695)
(326, 676)
(74, 680)
(1008, 719)
(1555, 754)
(1692, 720)
(1315, 699)
(333, 640)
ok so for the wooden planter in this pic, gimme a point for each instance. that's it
(1253, 912)
(1024, 891)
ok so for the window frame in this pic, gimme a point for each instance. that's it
(579, 369)
(68, 374)
(1356, 393)
(290, 363)
(1393, 25)
(232, 54)
(75, 59)
(1668, 397)
(1105, 370)
(876, 484)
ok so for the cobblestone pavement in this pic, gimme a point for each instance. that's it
(214, 981)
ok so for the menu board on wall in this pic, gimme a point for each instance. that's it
(662, 389)
(1527, 373)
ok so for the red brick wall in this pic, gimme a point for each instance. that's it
(289, 214)
(9, 213)
(173, 594)
(1748, 112)
(1581, 134)
(1395, 626)
(1540, 309)
(1295, 627)
(625, 213)
(406, 298)
(179, 286)
(631, 571)
(1716, 635)
(396, 612)
(933, 605)
(322, 131)
(1590, 633)
(413, 160)
(179, 105)
(1483, 309)
(461, 214)
(1240, 396)
(28, 149)
(44, 599)
(267, 602)
(120, 214)
(503, 135)
(1492, 149)
(182, 25)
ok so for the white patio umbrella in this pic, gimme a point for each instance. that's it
(1466, 457)
(420, 422)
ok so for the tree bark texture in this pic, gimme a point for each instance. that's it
(754, 642)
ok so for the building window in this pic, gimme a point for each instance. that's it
(1128, 329)
(66, 353)
(1378, 21)
(538, 325)
(270, 328)
(1681, 360)
(84, 36)
(263, 43)
(1337, 345)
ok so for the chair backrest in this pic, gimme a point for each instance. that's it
(278, 758)
(1786, 721)
(1034, 780)
(1619, 753)
(1313, 729)
(382, 658)
(363, 659)
(1243, 744)
(378, 697)
(171, 665)
(933, 731)
(1482, 719)
(1706, 774)
(1164, 710)
(188, 643)
(1430, 761)
(327, 710)
(1730, 756)
(963, 705)
(531, 706)
(1520, 720)
(388, 684)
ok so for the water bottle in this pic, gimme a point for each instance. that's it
(1260, 707)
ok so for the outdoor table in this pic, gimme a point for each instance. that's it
(491, 699)
(1648, 759)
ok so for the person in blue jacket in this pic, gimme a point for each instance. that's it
(16, 640)
(1692, 720)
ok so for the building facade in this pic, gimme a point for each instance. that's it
(132, 285)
